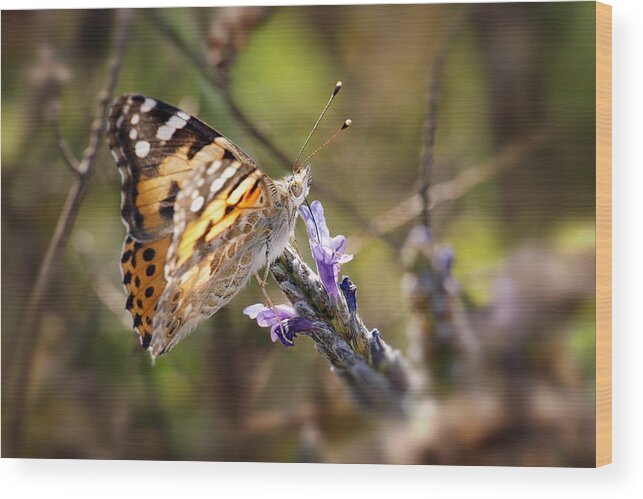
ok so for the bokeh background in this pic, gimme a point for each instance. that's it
(502, 347)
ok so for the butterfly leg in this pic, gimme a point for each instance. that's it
(293, 241)
(262, 285)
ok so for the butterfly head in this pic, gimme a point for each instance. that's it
(298, 184)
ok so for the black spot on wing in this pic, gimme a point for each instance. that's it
(126, 256)
(138, 218)
(174, 189)
(166, 206)
(196, 146)
(138, 320)
(254, 186)
(167, 212)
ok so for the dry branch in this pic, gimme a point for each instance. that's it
(29, 332)
(453, 189)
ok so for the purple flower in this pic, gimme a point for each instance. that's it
(327, 251)
(443, 260)
(350, 293)
(292, 323)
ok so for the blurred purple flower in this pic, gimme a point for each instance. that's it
(292, 323)
(327, 251)
(443, 260)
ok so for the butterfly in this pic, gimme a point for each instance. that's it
(201, 217)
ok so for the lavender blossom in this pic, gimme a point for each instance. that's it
(350, 293)
(443, 260)
(291, 322)
(327, 251)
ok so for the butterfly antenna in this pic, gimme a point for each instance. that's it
(312, 215)
(344, 126)
(338, 87)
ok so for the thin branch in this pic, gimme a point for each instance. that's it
(437, 326)
(220, 84)
(453, 189)
(429, 142)
(29, 332)
(64, 149)
(433, 87)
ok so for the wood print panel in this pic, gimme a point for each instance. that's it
(471, 189)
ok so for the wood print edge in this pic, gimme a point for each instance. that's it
(603, 234)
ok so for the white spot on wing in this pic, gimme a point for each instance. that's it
(133, 134)
(176, 122)
(165, 132)
(142, 148)
(135, 119)
(217, 184)
(114, 155)
(119, 121)
(197, 204)
(184, 115)
(214, 166)
(147, 105)
(228, 172)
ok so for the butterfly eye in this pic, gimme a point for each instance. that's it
(295, 190)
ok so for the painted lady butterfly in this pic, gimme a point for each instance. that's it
(201, 217)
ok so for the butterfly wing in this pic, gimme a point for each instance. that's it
(221, 225)
(144, 281)
(156, 147)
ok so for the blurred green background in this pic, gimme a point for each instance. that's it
(523, 238)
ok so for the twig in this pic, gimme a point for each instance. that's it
(220, 84)
(437, 325)
(63, 147)
(429, 142)
(29, 332)
(434, 79)
(453, 189)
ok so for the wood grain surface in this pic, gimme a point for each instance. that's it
(603, 234)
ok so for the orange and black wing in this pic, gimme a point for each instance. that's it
(220, 228)
(157, 148)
